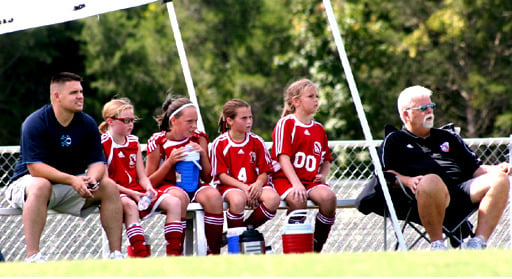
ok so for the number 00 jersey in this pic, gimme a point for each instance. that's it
(241, 160)
(122, 161)
(306, 144)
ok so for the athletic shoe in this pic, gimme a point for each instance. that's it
(475, 243)
(438, 245)
(117, 255)
(36, 258)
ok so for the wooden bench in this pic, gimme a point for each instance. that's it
(195, 240)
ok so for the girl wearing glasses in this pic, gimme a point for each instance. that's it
(301, 149)
(178, 133)
(126, 168)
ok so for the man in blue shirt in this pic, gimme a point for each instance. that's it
(62, 167)
(442, 172)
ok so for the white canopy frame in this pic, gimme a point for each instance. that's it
(20, 15)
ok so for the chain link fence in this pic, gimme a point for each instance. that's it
(68, 237)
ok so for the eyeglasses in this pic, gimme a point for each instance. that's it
(125, 120)
(425, 107)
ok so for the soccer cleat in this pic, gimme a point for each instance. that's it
(475, 243)
(36, 258)
(438, 245)
(117, 255)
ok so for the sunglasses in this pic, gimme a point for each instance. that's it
(425, 107)
(125, 120)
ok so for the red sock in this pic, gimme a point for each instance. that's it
(173, 232)
(137, 241)
(234, 220)
(323, 226)
(213, 224)
(259, 216)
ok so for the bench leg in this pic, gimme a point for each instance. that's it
(199, 234)
(195, 239)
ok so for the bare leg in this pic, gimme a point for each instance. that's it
(111, 212)
(433, 198)
(35, 213)
(491, 190)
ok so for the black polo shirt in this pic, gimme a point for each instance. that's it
(443, 153)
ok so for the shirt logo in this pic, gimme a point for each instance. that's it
(241, 152)
(121, 154)
(133, 160)
(317, 148)
(307, 133)
(445, 147)
(253, 157)
(409, 146)
(65, 140)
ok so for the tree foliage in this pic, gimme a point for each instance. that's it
(252, 49)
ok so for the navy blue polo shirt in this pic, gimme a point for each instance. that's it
(69, 149)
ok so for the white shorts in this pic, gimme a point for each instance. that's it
(63, 199)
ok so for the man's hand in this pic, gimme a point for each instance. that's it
(506, 168)
(81, 184)
(413, 182)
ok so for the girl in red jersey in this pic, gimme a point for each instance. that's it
(126, 168)
(301, 149)
(178, 131)
(240, 163)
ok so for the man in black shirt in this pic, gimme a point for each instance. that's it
(441, 171)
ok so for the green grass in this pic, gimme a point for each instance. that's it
(414, 263)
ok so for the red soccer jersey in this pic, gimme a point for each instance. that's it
(122, 161)
(306, 144)
(243, 161)
(159, 140)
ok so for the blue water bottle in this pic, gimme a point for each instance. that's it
(187, 171)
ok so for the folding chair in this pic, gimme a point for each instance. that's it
(371, 200)
(455, 231)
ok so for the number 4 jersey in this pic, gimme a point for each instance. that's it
(241, 160)
(305, 144)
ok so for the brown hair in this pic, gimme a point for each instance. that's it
(112, 109)
(229, 110)
(169, 106)
(293, 90)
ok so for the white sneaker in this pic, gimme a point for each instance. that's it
(36, 258)
(438, 245)
(117, 255)
(475, 243)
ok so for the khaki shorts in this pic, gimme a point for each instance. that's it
(64, 198)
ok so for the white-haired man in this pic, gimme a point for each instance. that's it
(442, 172)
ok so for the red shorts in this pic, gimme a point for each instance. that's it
(283, 186)
(223, 189)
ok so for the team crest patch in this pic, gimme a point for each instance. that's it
(317, 148)
(253, 157)
(445, 147)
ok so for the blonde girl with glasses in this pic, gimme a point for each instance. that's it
(126, 169)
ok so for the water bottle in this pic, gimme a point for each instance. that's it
(144, 203)
(252, 241)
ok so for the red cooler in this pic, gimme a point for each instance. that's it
(297, 238)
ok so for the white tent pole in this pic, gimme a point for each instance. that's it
(183, 60)
(362, 116)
